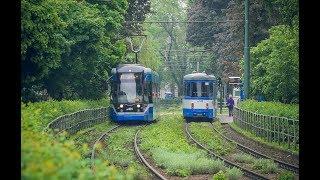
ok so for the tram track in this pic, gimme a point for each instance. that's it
(101, 137)
(243, 148)
(143, 159)
(247, 172)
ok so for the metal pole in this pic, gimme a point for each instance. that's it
(136, 57)
(246, 51)
(220, 98)
(198, 66)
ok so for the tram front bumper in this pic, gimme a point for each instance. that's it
(193, 113)
(119, 117)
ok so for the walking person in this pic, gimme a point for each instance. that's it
(230, 104)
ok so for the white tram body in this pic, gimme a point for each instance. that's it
(199, 96)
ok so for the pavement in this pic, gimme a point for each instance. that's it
(224, 118)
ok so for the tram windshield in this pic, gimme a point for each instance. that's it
(129, 88)
(199, 89)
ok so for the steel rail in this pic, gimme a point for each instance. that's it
(248, 150)
(246, 171)
(139, 154)
(98, 140)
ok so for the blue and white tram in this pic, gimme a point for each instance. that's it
(199, 96)
(134, 92)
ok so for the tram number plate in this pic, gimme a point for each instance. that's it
(199, 100)
(130, 109)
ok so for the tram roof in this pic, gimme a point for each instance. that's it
(122, 68)
(199, 76)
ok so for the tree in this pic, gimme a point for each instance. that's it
(69, 47)
(275, 65)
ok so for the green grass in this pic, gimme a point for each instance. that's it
(35, 116)
(271, 108)
(46, 157)
(220, 176)
(234, 173)
(119, 152)
(83, 138)
(244, 158)
(282, 146)
(265, 166)
(166, 140)
(286, 176)
(183, 164)
(203, 132)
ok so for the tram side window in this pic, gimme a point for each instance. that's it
(148, 92)
(114, 91)
(204, 89)
(187, 89)
(194, 89)
(211, 94)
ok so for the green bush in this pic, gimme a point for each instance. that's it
(35, 116)
(166, 142)
(271, 108)
(244, 158)
(46, 157)
(185, 164)
(205, 134)
(234, 173)
(265, 165)
(219, 176)
(275, 65)
(286, 176)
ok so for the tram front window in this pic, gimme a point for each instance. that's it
(206, 89)
(129, 88)
(199, 89)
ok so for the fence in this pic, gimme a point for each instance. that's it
(76, 121)
(272, 128)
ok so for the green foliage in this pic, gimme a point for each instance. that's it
(271, 108)
(47, 157)
(185, 164)
(43, 157)
(288, 10)
(234, 173)
(220, 176)
(167, 134)
(282, 146)
(275, 65)
(286, 176)
(244, 158)
(120, 153)
(69, 47)
(205, 134)
(35, 116)
(166, 139)
(265, 166)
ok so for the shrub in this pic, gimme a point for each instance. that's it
(46, 157)
(168, 145)
(219, 176)
(205, 134)
(265, 165)
(184, 164)
(271, 108)
(234, 173)
(286, 176)
(244, 158)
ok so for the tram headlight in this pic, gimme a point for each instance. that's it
(138, 105)
(121, 106)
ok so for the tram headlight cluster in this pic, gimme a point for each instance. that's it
(121, 106)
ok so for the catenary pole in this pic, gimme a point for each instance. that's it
(246, 51)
